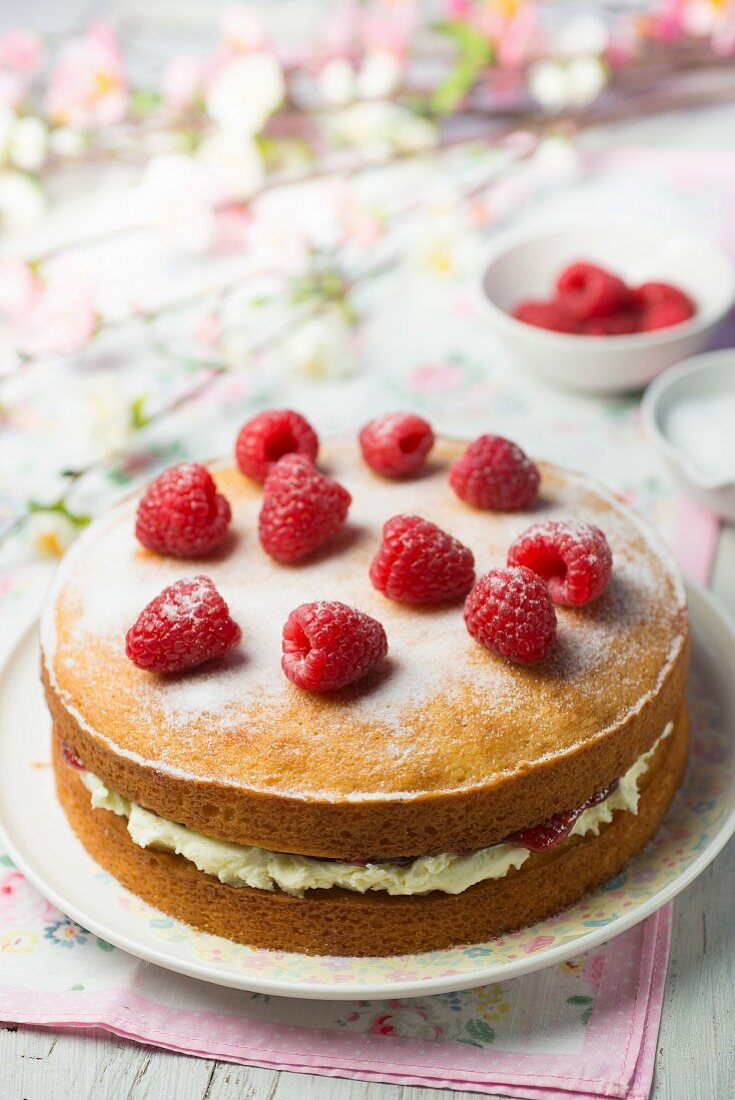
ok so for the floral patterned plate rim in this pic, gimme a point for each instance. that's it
(39, 840)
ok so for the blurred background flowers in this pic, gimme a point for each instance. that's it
(206, 207)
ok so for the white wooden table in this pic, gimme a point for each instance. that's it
(696, 1050)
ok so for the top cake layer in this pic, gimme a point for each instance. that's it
(442, 719)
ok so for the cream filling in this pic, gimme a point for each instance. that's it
(242, 865)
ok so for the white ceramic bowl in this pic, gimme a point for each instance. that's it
(689, 412)
(525, 263)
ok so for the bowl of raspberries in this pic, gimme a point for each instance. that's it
(605, 305)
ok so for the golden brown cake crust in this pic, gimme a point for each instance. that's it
(446, 747)
(338, 922)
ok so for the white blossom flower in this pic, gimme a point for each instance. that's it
(67, 141)
(244, 92)
(411, 134)
(379, 76)
(383, 128)
(177, 195)
(28, 143)
(50, 533)
(22, 201)
(336, 82)
(587, 76)
(547, 81)
(322, 347)
(107, 412)
(445, 247)
(23, 140)
(576, 83)
(235, 162)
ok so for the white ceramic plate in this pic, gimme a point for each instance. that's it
(39, 840)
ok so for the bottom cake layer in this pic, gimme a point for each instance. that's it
(340, 922)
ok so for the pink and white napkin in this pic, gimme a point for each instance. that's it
(585, 1028)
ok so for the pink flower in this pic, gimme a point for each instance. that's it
(511, 26)
(460, 10)
(182, 82)
(667, 21)
(64, 320)
(20, 291)
(387, 26)
(21, 51)
(19, 902)
(232, 223)
(89, 85)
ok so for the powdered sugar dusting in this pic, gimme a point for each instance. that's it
(405, 729)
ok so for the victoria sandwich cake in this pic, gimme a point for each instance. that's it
(363, 709)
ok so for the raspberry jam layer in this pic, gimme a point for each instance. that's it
(448, 872)
(550, 833)
(70, 758)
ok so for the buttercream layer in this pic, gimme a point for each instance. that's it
(342, 922)
(449, 872)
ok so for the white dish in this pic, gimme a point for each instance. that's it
(708, 477)
(38, 838)
(525, 263)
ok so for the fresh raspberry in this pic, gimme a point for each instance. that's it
(327, 645)
(495, 473)
(621, 323)
(550, 315)
(548, 834)
(653, 294)
(419, 563)
(664, 314)
(573, 558)
(271, 435)
(181, 513)
(510, 612)
(396, 444)
(302, 509)
(186, 624)
(589, 291)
